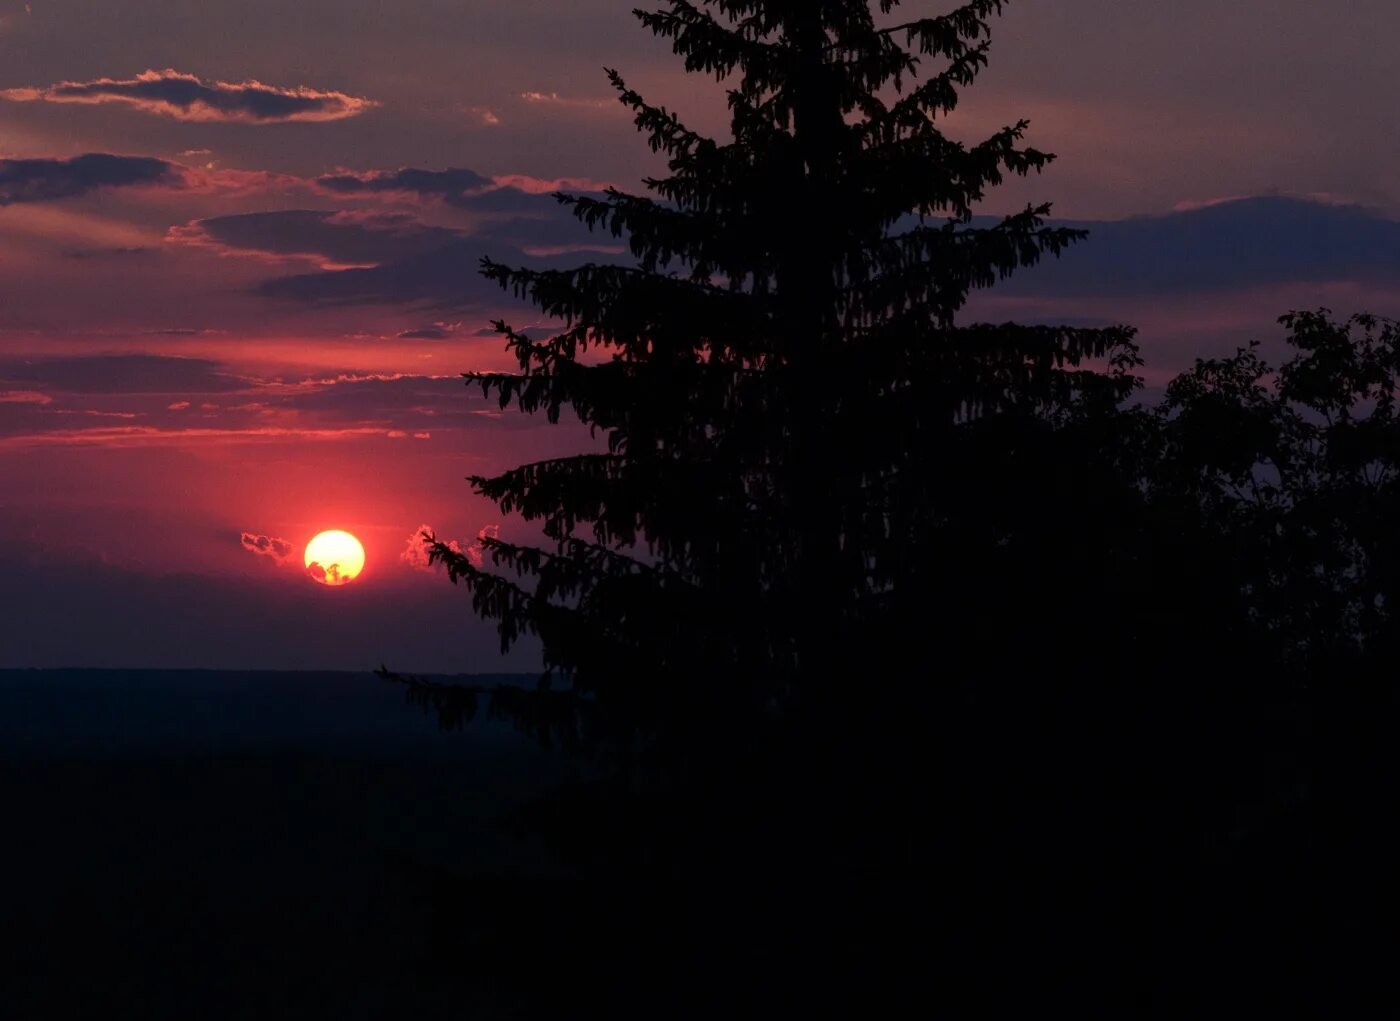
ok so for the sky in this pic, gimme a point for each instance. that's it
(238, 244)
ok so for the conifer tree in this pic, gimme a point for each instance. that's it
(829, 509)
(807, 450)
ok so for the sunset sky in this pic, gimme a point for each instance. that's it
(238, 244)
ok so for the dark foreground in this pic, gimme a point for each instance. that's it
(243, 845)
(221, 845)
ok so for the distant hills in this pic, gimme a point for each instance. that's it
(209, 713)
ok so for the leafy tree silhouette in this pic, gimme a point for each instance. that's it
(1299, 468)
(857, 587)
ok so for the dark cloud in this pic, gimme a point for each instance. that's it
(553, 230)
(119, 374)
(1227, 246)
(47, 180)
(347, 239)
(515, 209)
(185, 97)
(435, 331)
(400, 404)
(533, 332)
(1231, 245)
(364, 239)
(510, 195)
(88, 254)
(375, 396)
(98, 405)
(446, 279)
(378, 257)
(454, 183)
(403, 406)
(505, 202)
(280, 551)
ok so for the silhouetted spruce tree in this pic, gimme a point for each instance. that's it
(793, 413)
(882, 585)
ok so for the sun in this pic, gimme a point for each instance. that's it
(335, 558)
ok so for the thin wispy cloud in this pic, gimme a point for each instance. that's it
(460, 186)
(171, 93)
(434, 331)
(334, 240)
(24, 397)
(119, 374)
(553, 99)
(454, 182)
(149, 436)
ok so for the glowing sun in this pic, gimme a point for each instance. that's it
(335, 558)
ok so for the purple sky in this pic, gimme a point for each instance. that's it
(237, 244)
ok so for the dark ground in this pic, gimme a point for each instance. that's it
(221, 845)
(242, 845)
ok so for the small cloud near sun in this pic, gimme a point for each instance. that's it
(415, 555)
(279, 550)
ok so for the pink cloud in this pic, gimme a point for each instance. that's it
(483, 115)
(170, 93)
(455, 185)
(24, 397)
(232, 183)
(549, 185)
